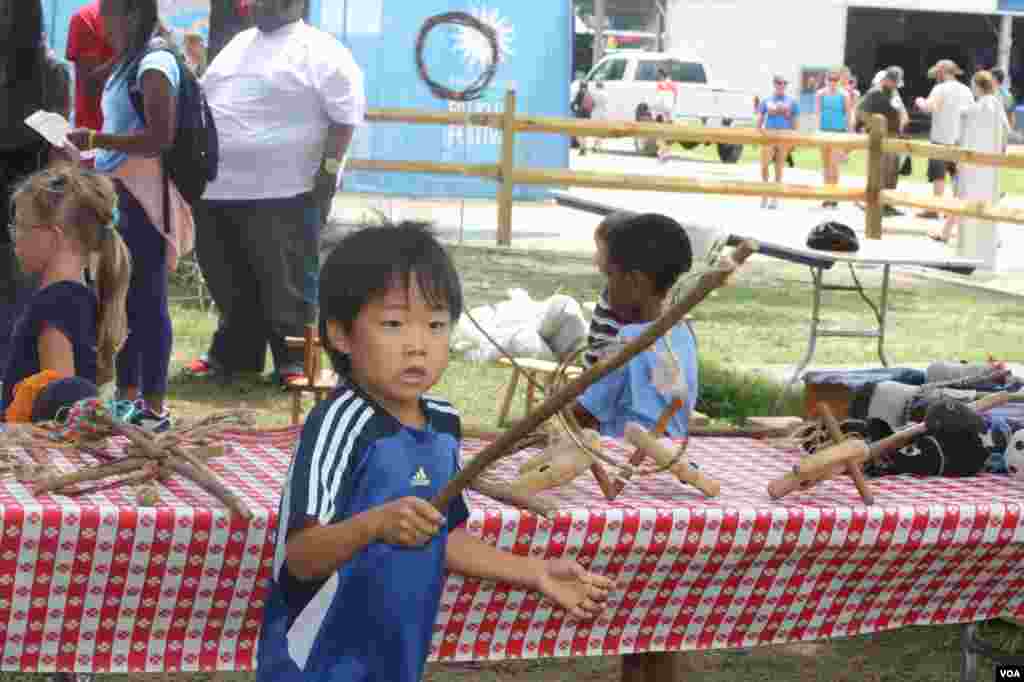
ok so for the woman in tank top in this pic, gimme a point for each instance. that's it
(834, 107)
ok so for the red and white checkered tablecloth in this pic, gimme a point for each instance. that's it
(98, 584)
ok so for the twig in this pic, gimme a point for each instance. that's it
(96, 473)
(148, 473)
(201, 474)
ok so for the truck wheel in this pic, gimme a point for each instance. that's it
(730, 153)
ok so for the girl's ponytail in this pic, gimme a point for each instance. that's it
(113, 276)
(92, 210)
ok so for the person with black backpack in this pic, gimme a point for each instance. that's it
(30, 79)
(148, 101)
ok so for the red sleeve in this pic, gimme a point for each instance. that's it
(84, 41)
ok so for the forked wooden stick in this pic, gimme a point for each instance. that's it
(637, 458)
(644, 440)
(852, 468)
(553, 404)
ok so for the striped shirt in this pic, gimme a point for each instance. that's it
(604, 328)
(372, 619)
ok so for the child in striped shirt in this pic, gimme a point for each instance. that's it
(604, 324)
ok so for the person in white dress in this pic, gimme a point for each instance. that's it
(983, 128)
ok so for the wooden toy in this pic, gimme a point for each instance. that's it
(839, 457)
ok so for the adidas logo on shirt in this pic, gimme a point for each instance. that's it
(420, 478)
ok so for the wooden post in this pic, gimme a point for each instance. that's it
(877, 126)
(508, 162)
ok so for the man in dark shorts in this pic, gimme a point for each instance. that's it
(879, 100)
(947, 99)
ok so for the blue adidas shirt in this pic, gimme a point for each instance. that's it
(629, 394)
(372, 620)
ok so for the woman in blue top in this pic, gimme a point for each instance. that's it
(129, 146)
(778, 112)
(63, 217)
(834, 106)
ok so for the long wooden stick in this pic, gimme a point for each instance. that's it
(210, 484)
(597, 128)
(553, 404)
(125, 466)
(873, 212)
(982, 210)
(206, 478)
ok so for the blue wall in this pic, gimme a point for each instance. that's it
(382, 36)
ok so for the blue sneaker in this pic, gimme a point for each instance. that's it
(150, 420)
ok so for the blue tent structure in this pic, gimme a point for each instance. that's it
(536, 44)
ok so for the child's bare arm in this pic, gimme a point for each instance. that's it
(315, 552)
(55, 352)
(564, 581)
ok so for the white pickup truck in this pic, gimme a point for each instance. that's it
(630, 81)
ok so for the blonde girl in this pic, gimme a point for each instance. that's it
(65, 218)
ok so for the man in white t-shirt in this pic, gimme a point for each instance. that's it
(948, 98)
(286, 98)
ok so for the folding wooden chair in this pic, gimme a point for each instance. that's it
(543, 371)
(319, 382)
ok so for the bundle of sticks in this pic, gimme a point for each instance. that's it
(147, 458)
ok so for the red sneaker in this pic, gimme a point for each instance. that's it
(203, 368)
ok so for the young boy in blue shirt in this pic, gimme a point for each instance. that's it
(361, 554)
(645, 255)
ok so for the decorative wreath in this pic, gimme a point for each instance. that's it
(475, 89)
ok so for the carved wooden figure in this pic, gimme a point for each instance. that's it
(644, 440)
(559, 464)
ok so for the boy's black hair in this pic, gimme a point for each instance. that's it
(367, 262)
(601, 231)
(653, 244)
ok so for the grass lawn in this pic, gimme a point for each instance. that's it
(760, 319)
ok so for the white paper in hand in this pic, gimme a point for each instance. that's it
(53, 127)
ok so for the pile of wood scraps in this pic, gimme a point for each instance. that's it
(123, 454)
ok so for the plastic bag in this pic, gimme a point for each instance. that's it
(544, 330)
